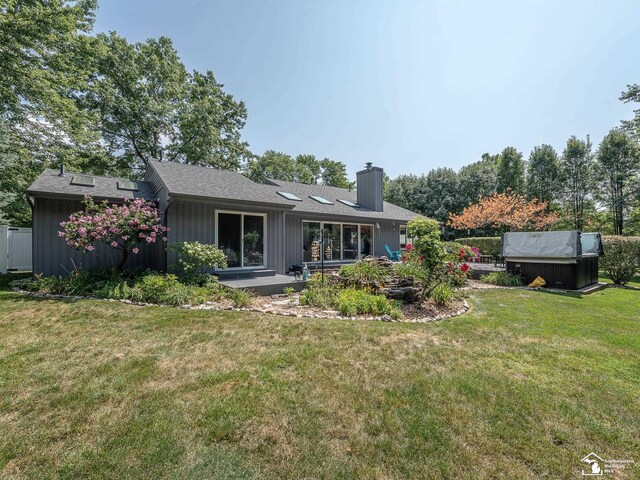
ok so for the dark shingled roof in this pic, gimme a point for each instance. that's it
(191, 180)
(204, 182)
(333, 194)
(51, 183)
(197, 181)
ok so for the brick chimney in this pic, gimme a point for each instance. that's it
(369, 187)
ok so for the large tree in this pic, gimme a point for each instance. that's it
(617, 170)
(632, 95)
(543, 174)
(576, 166)
(406, 191)
(271, 164)
(307, 169)
(478, 180)
(510, 211)
(334, 173)
(439, 196)
(148, 106)
(43, 55)
(510, 171)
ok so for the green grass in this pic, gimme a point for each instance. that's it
(523, 386)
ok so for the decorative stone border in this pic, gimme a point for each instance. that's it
(213, 306)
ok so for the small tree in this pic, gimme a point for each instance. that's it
(438, 264)
(510, 210)
(123, 227)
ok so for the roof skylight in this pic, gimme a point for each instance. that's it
(127, 185)
(349, 203)
(289, 196)
(83, 180)
(322, 200)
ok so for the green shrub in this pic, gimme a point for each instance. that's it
(458, 249)
(55, 285)
(442, 294)
(352, 302)
(406, 270)
(363, 273)
(621, 258)
(318, 296)
(486, 245)
(194, 256)
(241, 297)
(153, 288)
(117, 289)
(503, 279)
(288, 290)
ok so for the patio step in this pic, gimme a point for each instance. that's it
(266, 285)
(244, 274)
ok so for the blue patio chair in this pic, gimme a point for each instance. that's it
(393, 255)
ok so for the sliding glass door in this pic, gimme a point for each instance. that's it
(341, 241)
(241, 237)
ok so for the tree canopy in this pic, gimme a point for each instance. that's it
(510, 171)
(617, 171)
(543, 174)
(301, 169)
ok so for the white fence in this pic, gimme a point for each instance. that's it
(15, 249)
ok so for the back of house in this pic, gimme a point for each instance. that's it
(262, 228)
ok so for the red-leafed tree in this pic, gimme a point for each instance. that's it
(505, 210)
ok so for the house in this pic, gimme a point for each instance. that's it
(264, 229)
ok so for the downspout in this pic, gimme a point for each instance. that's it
(33, 237)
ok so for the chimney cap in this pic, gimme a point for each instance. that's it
(368, 165)
(61, 174)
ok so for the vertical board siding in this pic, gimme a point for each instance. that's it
(195, 222)
(190, 222)
(388, 234)
(293, 241)
(52, 256)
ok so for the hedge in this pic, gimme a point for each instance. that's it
(486, 245)
(621, 258)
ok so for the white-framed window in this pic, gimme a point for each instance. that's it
(342, 241)
(242, 236)
(404, 237)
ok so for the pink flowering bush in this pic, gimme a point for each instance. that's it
(123, 227)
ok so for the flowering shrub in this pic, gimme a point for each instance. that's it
(440, 263)
(123, 227)
(192, 256)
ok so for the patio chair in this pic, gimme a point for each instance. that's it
(393, 255)
(476, 255)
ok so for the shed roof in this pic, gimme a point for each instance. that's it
(50, 183)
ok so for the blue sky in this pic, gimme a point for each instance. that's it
(408, 85)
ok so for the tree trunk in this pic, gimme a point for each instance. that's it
(123, 260)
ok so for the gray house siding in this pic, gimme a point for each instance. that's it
(388, 233)
(190, 221)
(52, 256)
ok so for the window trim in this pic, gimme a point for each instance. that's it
(264, 241)
(408, 239)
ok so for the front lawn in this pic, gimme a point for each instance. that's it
(523, 386)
